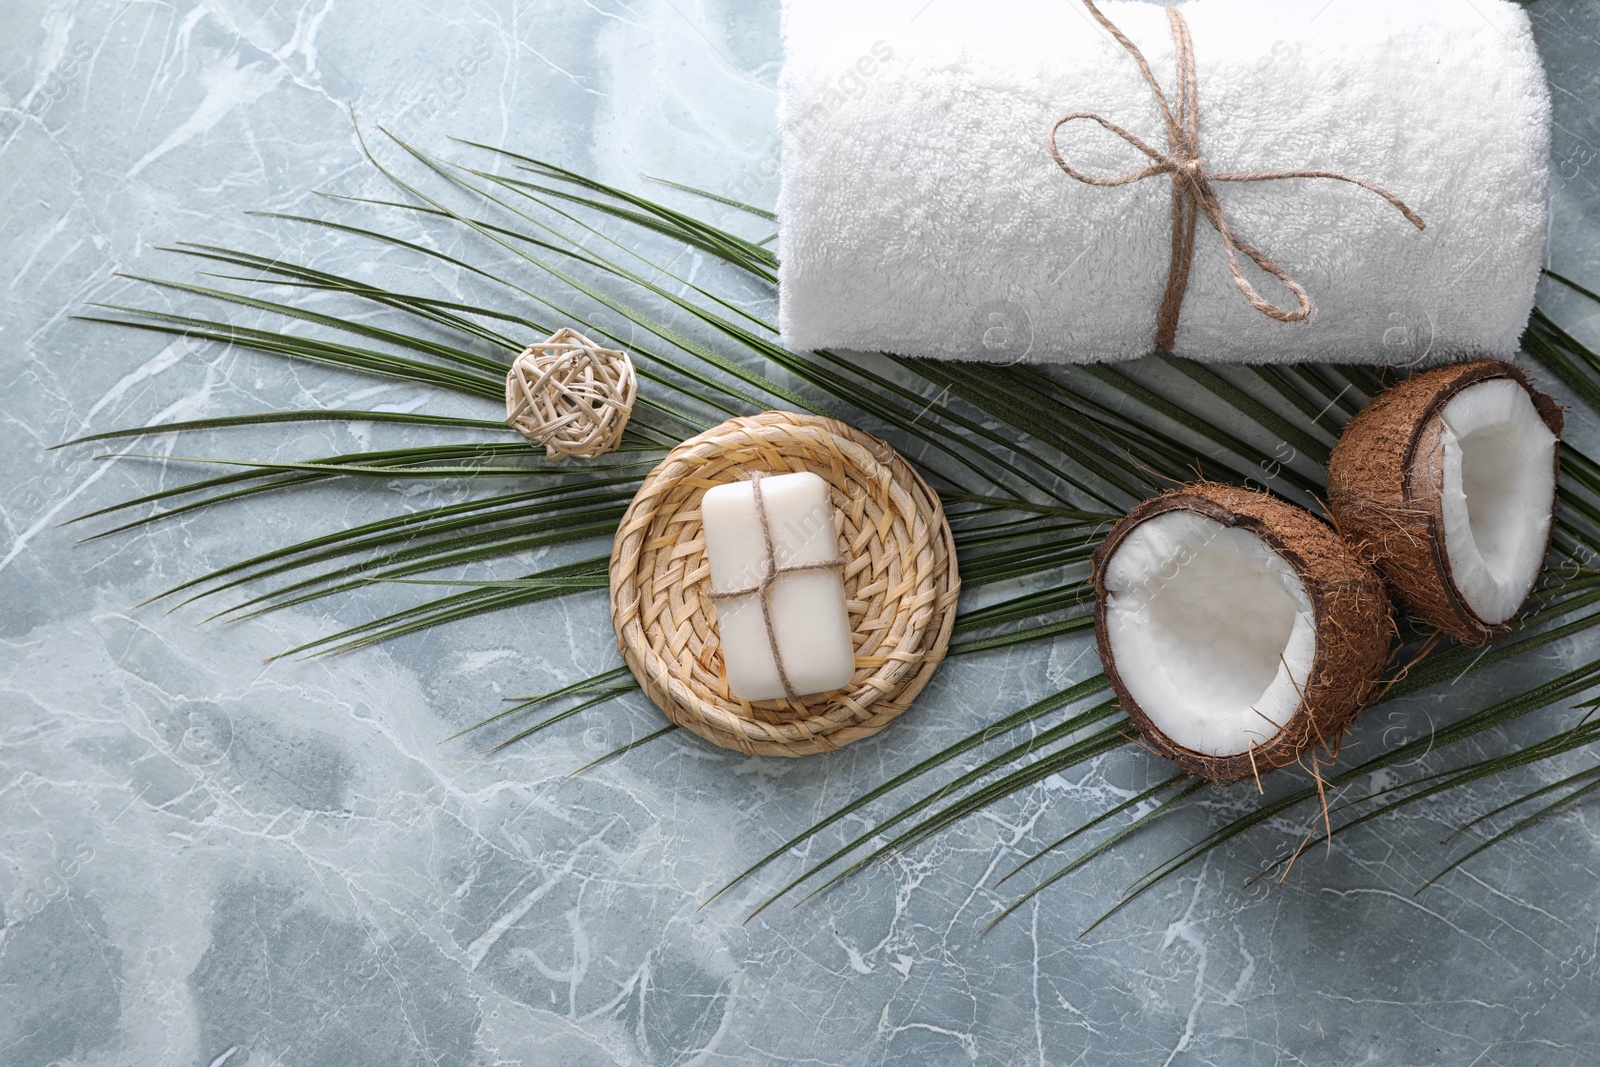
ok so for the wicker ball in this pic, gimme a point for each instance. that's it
(900, 584)
(571, 396)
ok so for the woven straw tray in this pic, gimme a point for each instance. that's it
(900, 584)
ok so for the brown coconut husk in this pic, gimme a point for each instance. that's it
(1350, 611)
(1383, 480)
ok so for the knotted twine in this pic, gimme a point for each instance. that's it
(1192, 193)
(771, 571)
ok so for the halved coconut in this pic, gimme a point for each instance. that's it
(1447, 482)
(1237, 630)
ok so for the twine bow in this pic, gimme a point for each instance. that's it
(1192, 192)
(770, 573)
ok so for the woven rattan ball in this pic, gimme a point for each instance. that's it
(571, 396)
(900, 584)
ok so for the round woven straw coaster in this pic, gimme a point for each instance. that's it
(900, 584)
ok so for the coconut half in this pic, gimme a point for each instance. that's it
(1237, 630)
(1447, 483)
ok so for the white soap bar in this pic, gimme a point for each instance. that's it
(809, 618)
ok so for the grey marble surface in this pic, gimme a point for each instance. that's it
(209, 860)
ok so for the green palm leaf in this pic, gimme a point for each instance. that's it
(1032, 465)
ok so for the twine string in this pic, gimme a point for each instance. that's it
(1192, 192)
(770, 573)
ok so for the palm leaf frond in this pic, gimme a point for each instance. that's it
(1033, 465)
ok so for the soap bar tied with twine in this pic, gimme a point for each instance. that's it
(1192, 192)
(771, 570)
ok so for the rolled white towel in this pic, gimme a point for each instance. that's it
(921, 212)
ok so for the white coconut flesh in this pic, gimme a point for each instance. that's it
(1498, 495)
(1211, 631)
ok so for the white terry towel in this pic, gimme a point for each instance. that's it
(921, 212)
